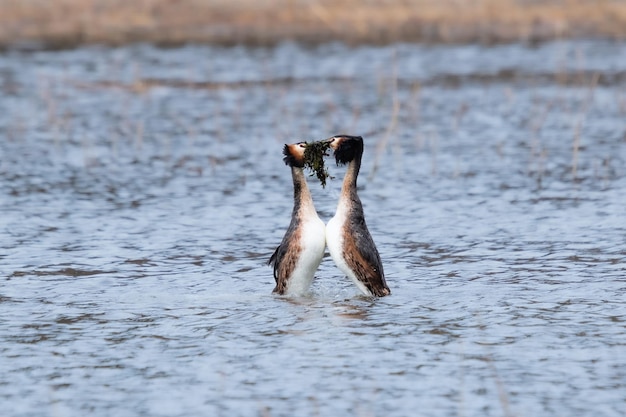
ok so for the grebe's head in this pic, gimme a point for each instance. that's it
(346, 147)
(294, 154)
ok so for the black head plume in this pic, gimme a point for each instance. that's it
(292, 158)
(348, 148)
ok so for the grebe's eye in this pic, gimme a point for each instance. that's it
(302, 144)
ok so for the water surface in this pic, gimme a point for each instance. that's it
(142, 192)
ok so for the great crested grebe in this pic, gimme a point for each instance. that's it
(349, 242)
(302, 248)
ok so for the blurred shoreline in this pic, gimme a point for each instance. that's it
(71, 23)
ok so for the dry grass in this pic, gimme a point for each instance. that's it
(71, 22)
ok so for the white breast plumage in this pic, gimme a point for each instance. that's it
(313, 243)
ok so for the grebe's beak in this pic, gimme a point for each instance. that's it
(330, 141)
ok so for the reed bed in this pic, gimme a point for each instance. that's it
(67, 23)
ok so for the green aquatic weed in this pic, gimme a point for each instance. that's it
(314, 154)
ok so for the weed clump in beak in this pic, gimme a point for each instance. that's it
(314, 154)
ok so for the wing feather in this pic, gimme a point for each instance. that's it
(285, 257)
(361, 253)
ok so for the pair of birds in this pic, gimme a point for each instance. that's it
(349, 242)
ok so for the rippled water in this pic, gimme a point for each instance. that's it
(142, 192)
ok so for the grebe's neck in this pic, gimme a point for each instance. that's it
(302, 200)
(348, 187)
